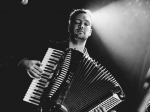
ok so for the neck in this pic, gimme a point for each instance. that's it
(78, 46)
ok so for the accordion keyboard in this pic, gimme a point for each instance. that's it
(37, 86)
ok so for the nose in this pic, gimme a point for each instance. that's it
(81, 26)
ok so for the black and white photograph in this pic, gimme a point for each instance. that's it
(75, 55)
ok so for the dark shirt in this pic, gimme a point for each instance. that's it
(37, 53)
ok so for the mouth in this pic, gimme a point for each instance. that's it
(80, 31)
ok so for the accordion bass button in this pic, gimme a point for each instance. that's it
(122, 95)
(63, 108)
(118, 90)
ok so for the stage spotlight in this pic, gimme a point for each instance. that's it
(125, 35)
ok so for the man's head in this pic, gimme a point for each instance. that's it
(80, 23)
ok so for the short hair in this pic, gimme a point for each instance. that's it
(78, 11)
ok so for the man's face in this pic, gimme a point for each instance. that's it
(81, 27)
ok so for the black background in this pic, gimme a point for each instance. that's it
(24, 29)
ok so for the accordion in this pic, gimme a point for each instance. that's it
(73, 82)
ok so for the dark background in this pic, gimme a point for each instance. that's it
(24, 29)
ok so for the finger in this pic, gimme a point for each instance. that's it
(33, 74)
(98, 110)
(39, 63)
(103, 109)
(36, 72)
(38, 69)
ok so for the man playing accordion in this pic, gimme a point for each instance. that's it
(79, 27)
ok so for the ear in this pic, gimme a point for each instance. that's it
(69, 28)
(90, 32)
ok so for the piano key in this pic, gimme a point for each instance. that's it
(48, 70)
(35, 88)
(55, 56)
(34, 92)
(54, 59)
(40, 84)
(49, 66)
(32, 96)
(31, 101)
(42, 81)
(47, 74)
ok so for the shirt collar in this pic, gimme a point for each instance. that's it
(85, 52)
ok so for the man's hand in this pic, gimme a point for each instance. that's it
(33, 67)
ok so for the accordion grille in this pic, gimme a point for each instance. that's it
(90, 82)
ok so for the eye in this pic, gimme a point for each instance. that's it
(86, 24)
(77, 22)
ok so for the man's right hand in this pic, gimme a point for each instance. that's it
(33, 67)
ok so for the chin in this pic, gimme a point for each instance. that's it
(80, 39)
(80, 36)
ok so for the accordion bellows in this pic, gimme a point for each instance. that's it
(91, 84)
(87, 84)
